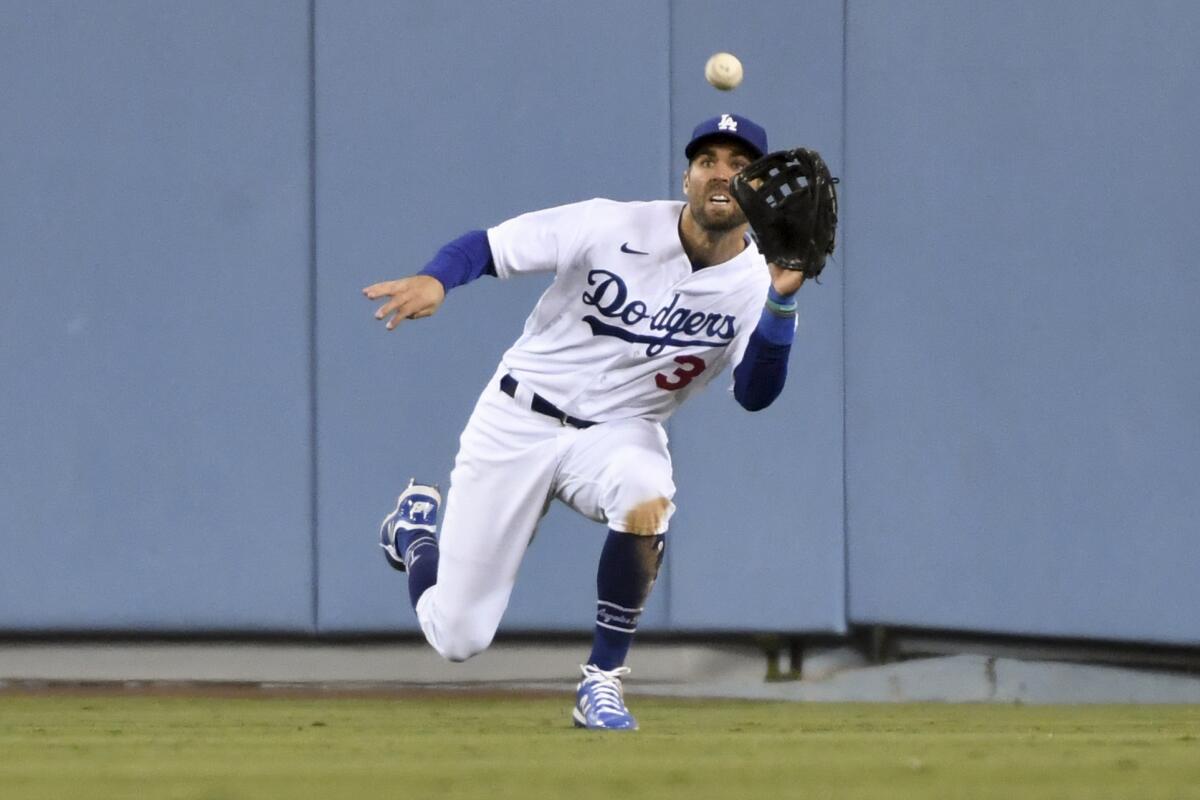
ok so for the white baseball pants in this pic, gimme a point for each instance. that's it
(511, 463)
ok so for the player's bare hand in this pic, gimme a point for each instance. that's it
(786, 281)
(408, 298)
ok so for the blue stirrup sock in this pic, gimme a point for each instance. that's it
(629, 564)
(420, 556)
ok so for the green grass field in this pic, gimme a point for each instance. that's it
(471, 746)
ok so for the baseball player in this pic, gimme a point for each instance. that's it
(649, 302)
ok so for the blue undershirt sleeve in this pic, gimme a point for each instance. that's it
(760, 375)
(462, 260)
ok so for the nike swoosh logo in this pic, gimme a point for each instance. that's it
(625, 248)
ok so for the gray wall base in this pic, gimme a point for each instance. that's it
(684, 670)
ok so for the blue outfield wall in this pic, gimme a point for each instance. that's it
(1022, 360)
(154, 237)
(991, 421)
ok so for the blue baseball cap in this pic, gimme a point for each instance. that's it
(729, 126)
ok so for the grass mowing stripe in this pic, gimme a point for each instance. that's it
(495, 747)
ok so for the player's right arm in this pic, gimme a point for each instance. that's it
(461, 261)
(539, 241)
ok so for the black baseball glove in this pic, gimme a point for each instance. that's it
(791, 203)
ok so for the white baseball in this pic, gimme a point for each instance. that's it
(723, 71)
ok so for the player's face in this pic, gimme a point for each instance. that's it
(706, 184)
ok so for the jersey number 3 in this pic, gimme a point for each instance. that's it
(689, 368)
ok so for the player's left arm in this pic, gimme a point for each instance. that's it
(759, 377)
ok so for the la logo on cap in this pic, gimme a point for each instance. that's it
(727, 123)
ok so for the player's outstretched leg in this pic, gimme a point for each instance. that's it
(408, 536)
(600, 700)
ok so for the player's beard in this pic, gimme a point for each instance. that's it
(717, 223)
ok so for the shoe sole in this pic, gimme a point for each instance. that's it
(580, 722)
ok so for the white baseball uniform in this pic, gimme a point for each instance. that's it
(625, 333)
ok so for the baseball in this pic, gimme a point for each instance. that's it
(723, 71)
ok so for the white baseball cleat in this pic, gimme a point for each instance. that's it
(416, 512)
(600, 700)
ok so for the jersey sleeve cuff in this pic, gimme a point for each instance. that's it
(462, 260)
